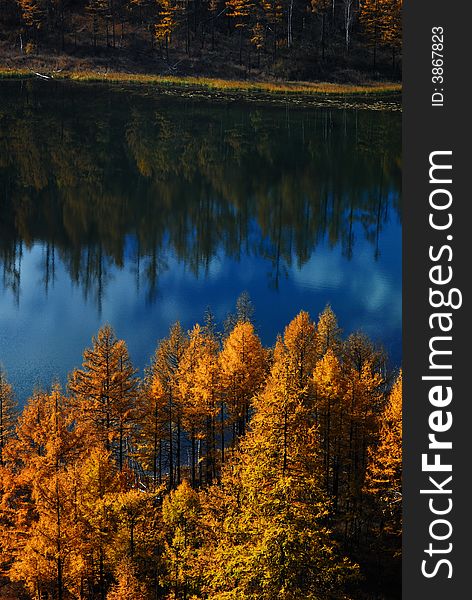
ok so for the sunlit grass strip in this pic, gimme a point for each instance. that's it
(286, 87)
(6, 73)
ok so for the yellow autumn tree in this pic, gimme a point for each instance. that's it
(153, 428)
(95, 501)
(208, 393)
(242, 363)
(328, 332)
(138, 543)
(241, 11)
(41, 456)
(166, 22)
(299, 346)
(34, 13)
(96, 487)
(330, 389)
(164, 369)
(384, 473)
(104, 393)
(364, 396)
(268, 534)
(8, 412)
(349, 390)
(381, 21)
(127, 586)
(181, 514)
(198, 384)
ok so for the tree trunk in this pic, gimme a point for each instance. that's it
(171, 449)
(323, 36)
(241, 45)
(222, 433)
(193, 458)
(101, 575)
(179, 435)
(289, 24)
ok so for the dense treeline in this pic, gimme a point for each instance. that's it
(82, 174)
(229, 470)
(294, 38)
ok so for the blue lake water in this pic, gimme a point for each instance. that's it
(139, 210)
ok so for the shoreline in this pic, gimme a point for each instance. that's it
(385, 95)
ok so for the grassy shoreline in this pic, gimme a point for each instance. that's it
(286, 88)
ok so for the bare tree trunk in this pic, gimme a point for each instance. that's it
(240, 45)
(289, 24)
(187, 38)
(348, 16)
(323, 36)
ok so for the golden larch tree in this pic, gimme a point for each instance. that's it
(104, 393)
(299, 346)
(153, 429)
(198, 383)
(41, 455)
(139, 537)
(96, 487)
(267, 522)
(242, 363)
(8, 412)
(330, 389)
(165, 369)
(128, 586)
(181, 514)
(328, 332)
(384, 473)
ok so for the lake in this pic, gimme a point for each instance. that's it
(121, 205)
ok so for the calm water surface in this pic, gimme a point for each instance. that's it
(139, 210)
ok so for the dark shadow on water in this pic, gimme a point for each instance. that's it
(105, 179)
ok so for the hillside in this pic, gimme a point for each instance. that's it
(305, 40)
